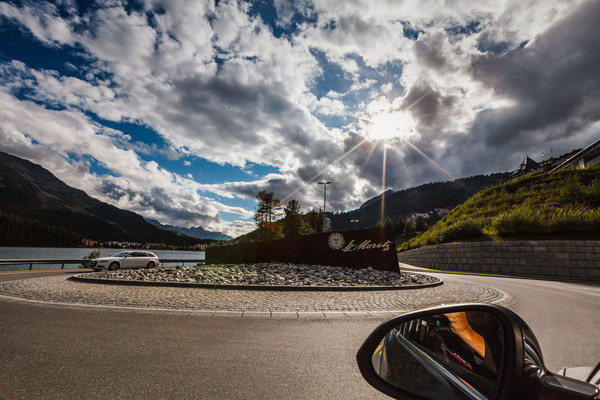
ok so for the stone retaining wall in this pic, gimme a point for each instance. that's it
(574, 259)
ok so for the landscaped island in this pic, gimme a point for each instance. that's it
(271, 274)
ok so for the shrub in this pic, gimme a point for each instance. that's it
(466, 229)
(574, 221)
(91, 256)
(515, 222)
(547, 222)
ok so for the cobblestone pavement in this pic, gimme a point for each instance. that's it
(60, 290)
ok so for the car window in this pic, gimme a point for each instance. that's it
(121, 254)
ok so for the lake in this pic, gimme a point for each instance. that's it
(76, 253)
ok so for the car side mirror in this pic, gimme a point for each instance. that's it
(467, 351)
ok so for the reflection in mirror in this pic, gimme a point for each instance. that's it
(443, 356)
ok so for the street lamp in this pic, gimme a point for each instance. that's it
(324, 183)
(355, 221)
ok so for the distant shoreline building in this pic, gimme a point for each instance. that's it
(89, 243)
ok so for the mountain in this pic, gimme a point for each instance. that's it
(28, 191)
(195, 232)
(420, 199)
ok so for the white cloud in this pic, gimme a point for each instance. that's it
(42, 21)
(214, 82)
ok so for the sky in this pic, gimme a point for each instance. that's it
(182, 111)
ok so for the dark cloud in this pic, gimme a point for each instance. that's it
(554, 83)
(112, 190)
(428, 106)
(226, 107)
(430, 52)
(487, 43)
(354, 25)
(308, 172)
(229, 115)
(160, 202)
(163, 203)
(474, 157)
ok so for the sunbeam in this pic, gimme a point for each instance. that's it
(370, 154)
(406, 170)
(417, 101)
(323, 170)
(383, 172)
(425, 156)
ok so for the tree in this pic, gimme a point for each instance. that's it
(420, 224)
(432, 219)
(293, 224)
(399, 226)
(409, 227)
(267, 211)
(314, 221)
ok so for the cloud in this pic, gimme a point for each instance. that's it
(552, 81)
(42, 20)
(296, 87)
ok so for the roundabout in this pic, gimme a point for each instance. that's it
(239, 300)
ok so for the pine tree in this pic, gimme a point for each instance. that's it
(267, 211)
(293, 224)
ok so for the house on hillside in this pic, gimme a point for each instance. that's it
(583, 158)
(527, 165)
(579, 158)
(413, 217)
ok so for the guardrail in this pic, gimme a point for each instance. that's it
(62, 263)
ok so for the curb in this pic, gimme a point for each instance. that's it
(84, 278)
(504, 275)
(294, 315)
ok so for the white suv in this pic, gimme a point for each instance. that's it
(125, 259)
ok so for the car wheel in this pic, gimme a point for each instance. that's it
(113, 266)
(150, 265)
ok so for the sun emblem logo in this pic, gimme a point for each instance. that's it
(336, 241)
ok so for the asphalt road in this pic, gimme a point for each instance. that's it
(565, 317)
(60, 353)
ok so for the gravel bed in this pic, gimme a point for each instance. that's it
(269, 274)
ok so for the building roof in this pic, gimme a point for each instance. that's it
(527, 165)
(589, 154)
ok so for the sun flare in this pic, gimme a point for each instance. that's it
(388, 125)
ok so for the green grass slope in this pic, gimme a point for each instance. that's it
(564, 204)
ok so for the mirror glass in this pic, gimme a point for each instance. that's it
(444, 356)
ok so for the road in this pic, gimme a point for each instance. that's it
(565, 317)
(59, 353)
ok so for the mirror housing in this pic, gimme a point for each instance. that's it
(522, 376)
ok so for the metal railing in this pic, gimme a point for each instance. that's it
(85, 262)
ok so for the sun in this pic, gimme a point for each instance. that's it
(389, 124)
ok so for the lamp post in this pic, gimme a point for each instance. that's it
(355, 221)
(324, 183)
